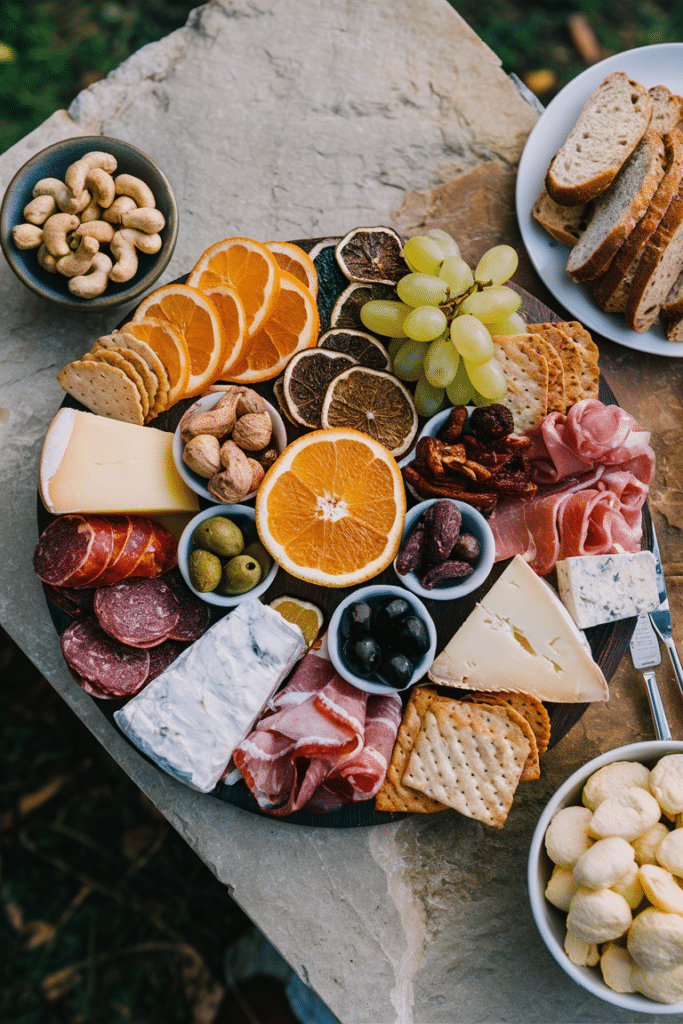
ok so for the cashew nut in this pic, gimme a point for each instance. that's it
(27, 236)
(55, 230)
(66, 202)
(93, 211)
(80, 261)
(39, 209)
(76, 173)
(46, 260)
(98, 229)
(92, 284)
(101, 186)
(123, 246)
(129, 185)
(120, 206)
(144, 218)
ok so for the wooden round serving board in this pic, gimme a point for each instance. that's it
(608, 643)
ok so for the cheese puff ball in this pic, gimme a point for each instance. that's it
(611, 779)
(630, 887)
(560, 888)
(616, 964)
(646, 846)
(628, 814)
(670, 852)
(655, 940)
(661, 888)
(598, 915)
(604, 863)
(583, 954)
(566, 837)
(663, 986)
(666, 782)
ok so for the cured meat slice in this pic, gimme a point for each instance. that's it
(122, 527)
(161, 656)
(75, 601)
(195, 614)
(159, 554)
(110, 666)
(138, 612)
(73, 550)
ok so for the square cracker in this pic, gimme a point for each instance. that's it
(568, 351)
(590, 373)
(530, 707)
(526, 373)
(556, 399)
(393, 795)
(532, 767)
(103, 389)
(470, 757)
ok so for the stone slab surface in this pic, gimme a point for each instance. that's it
(294, 119)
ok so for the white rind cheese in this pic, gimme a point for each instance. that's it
(192, 716)
(520, 637)
(606, 588)
(91, 463)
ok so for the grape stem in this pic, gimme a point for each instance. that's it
(450, 308)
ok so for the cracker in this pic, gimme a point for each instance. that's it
(149, 378)
(122, 340)
(103, 389)
(469, 757)
(393, 795)
(590, 373)
(529, 707)
(526, 373)
(556, 399)
(114, 358)
(532, 768)
(568, 351)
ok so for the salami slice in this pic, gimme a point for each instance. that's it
(94, 656)
(138, 612)
(75, 601)
(161, 656)
(159, 554)
(195, 614)
(73, 550)
(122, 527)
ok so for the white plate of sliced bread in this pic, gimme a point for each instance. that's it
(610, 208)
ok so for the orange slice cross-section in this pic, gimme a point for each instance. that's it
(249, 267)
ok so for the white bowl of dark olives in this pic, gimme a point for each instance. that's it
(447, 549)
(221, 558)
(381, 639)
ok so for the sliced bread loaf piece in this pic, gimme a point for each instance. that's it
(609, 127)
(611, 288)
(671, 313)
(658, 269)
(667, 109)
(617, 211)
(564, 223)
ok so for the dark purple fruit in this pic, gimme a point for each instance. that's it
(387, 616)
(356, 620)
(396, 670)
(412, 637)
(362, 656)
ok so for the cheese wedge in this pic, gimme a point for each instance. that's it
(520, 637)
(92, 463)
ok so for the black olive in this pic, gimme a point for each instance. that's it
(387, 616)
(396, 670)
(362, 656)
(412, 637)
(356, 619)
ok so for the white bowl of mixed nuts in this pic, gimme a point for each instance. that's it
(226, 441)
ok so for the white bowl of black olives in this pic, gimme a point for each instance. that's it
(447, 549)
(221, 558)
(381, 639)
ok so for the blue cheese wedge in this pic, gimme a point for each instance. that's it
(192, 716)
(520, 637)
(606, 588)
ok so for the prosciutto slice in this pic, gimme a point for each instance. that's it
(594, 467)
(320, 743)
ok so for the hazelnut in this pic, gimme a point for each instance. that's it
(250, 401)
(253, 431)
(202, 455)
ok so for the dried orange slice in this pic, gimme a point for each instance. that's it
(196, 318)
(296, 262)
(373, 255)
(231, 311)
(331, 509)
(292, 326)
(305, 615)
(171, 349)
(249, 267)
(374, 402)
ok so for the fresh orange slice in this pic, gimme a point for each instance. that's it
(293, 325)
(296, 262)
(249, 267)
(231, 311)
(331, 509)
(196, 318)
(171, 349)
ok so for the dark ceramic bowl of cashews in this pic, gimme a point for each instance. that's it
(89, 223)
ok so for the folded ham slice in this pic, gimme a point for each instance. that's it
(320, 743)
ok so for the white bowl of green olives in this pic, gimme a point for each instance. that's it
(381, 639)
(221, 558)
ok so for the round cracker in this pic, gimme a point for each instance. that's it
(121, 340)
(114, 358)
(103, 389)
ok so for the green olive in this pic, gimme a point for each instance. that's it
(219, 535)
(205, 570)
(256, 550)
(240, 574)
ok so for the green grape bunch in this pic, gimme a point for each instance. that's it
(442, 323)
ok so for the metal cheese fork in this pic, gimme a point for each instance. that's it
(646, 655)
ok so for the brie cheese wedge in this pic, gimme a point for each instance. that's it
(520, 637)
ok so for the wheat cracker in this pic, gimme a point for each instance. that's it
(526, 374)
(393, 795)
(532, 767)
(114, 358)
(589, 352)
(122, 340)
(103, 389)
(532, 709)
(568, 351)
(556, 399)
(469, 757)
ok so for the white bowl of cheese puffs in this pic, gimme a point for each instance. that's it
(605, 876)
